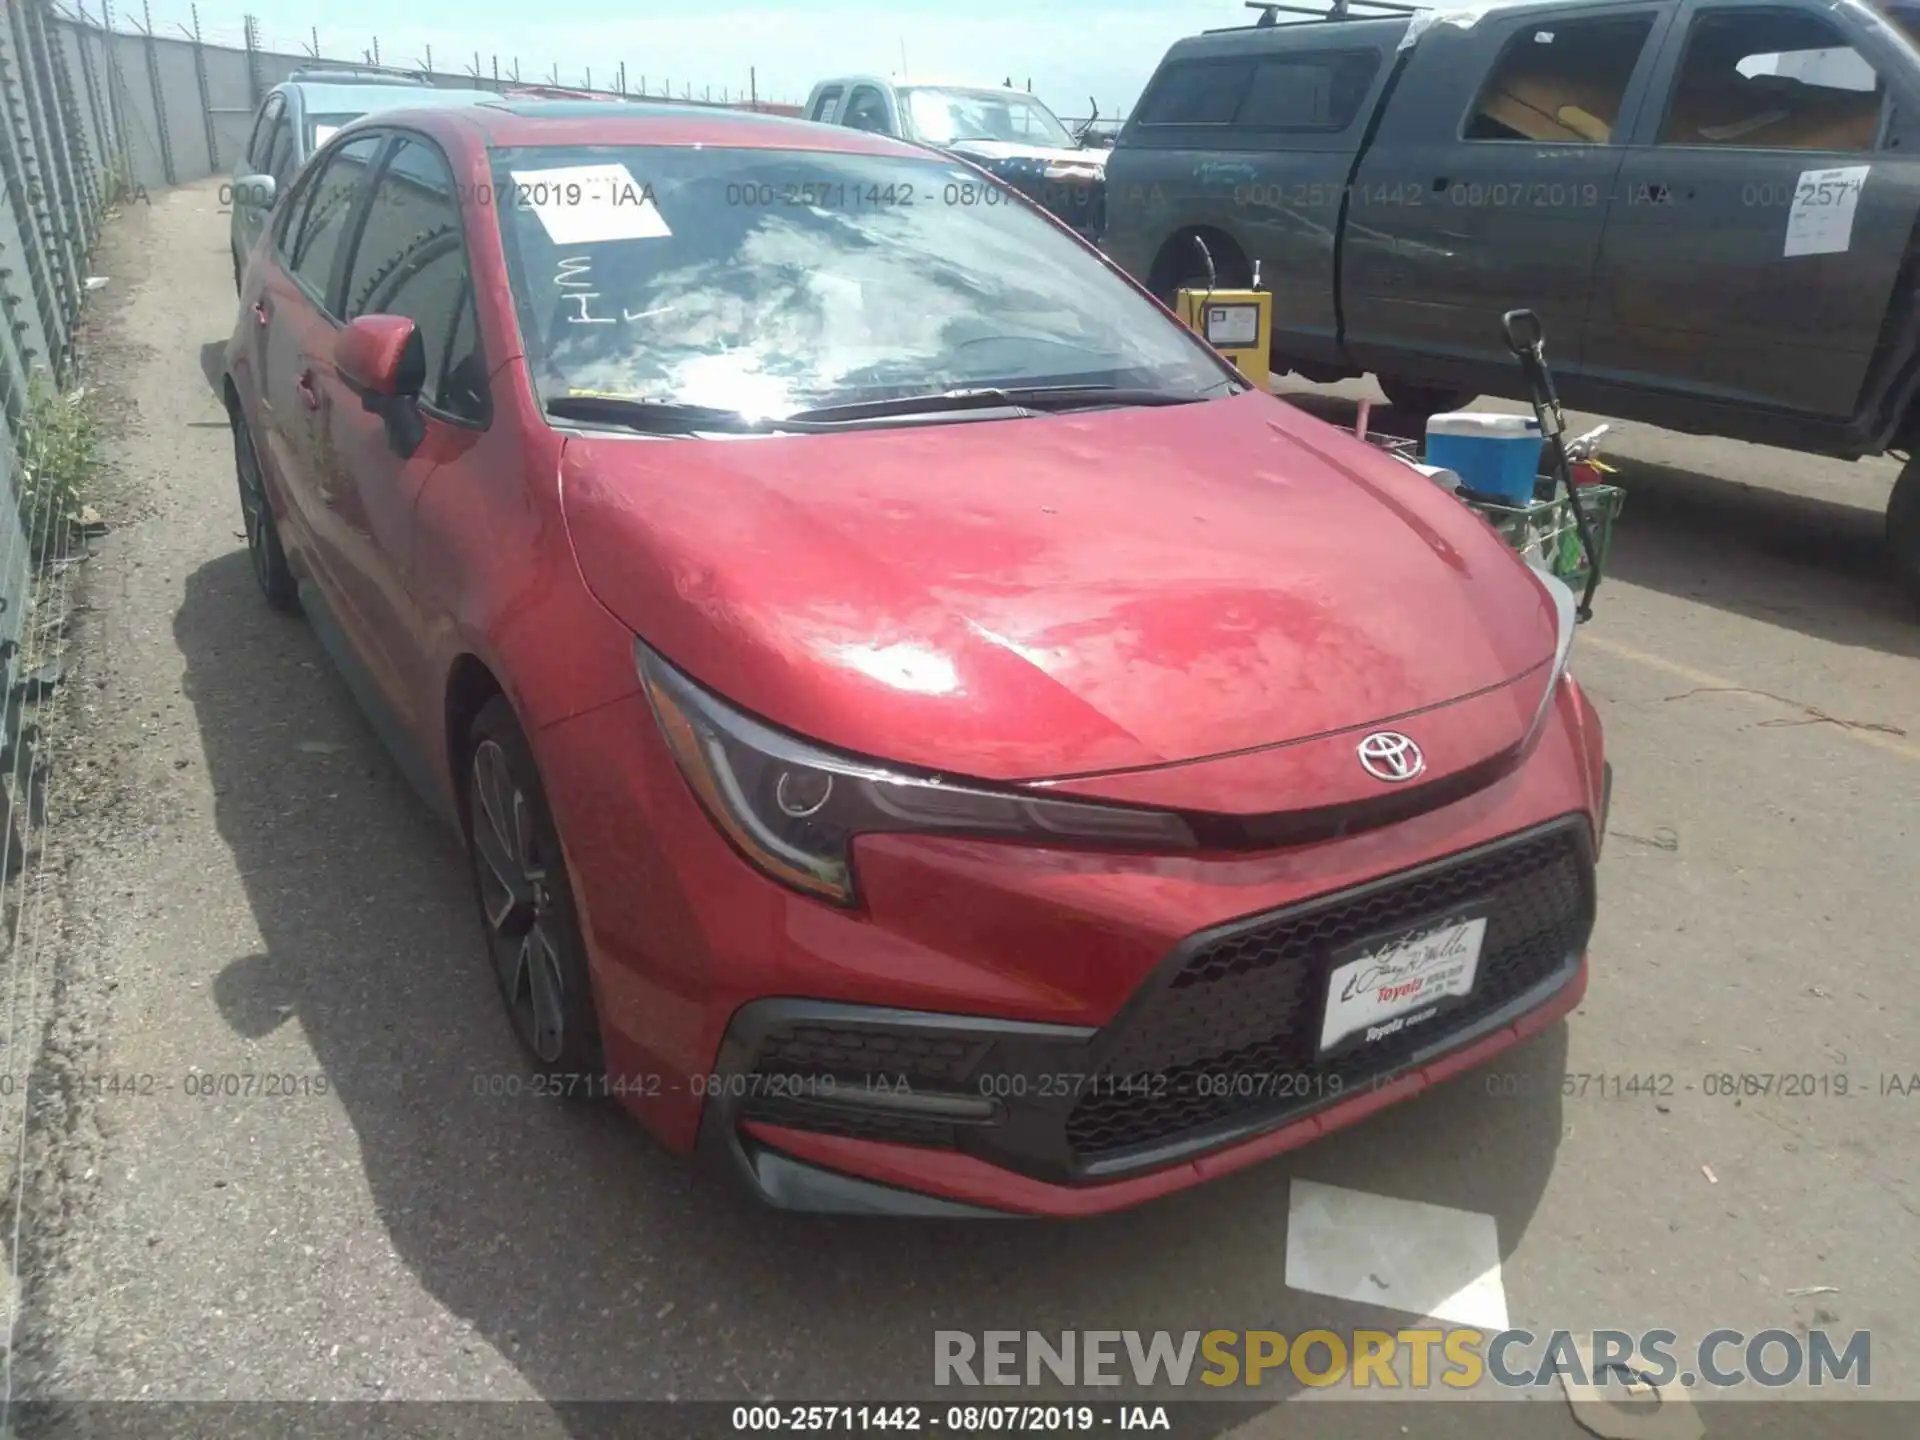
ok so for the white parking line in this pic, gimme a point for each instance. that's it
(1424, 1259)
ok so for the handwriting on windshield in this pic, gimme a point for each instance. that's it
(576, 282)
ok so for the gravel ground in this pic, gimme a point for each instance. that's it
(241, 884)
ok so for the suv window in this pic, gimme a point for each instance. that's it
(1197, 92)
(279, 158)
(824, 107)
(866, 110)
(410, 261)
(1773, 80)
(1308, 92)
(260, 143)
(316, 240)
(1561, 82)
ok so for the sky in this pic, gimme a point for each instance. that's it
(1070, 49)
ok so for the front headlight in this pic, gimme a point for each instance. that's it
(793, 808)
(1566, 617)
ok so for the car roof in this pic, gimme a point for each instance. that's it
(326, 97)
(514, 121)
(894, 84)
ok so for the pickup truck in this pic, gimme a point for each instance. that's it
(1710, 203)
(1004, 131)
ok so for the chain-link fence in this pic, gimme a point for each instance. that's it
(59, 171)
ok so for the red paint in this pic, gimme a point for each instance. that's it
(368, 352)
(970, 1181)
(1200, 607)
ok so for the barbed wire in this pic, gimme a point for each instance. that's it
(331, 43)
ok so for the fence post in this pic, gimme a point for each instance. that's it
(79, 153)
(206, 97)
(253, 61)
(116, 95)
(59, 116)
(22, 190)
(41, 182)
(84, 38)
(159, 96)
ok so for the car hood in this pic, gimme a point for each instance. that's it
(995, 152)
(1062, 596)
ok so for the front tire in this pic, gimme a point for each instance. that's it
(1410, 400)
(1903, 528)
(527, 912)
(263, 536)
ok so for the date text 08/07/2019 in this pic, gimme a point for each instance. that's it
(955, 1419)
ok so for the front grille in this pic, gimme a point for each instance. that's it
(1247, 1004)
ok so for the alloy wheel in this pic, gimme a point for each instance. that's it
(517, 903)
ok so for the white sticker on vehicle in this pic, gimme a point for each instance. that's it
(324, 133)
(588, 204)
(1820, 221)
(1396, 985)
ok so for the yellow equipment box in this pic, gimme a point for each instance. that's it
(1237, 323)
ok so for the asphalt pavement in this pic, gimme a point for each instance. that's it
(251, 889)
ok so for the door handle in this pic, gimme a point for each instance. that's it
(260, 312)
(309, 396)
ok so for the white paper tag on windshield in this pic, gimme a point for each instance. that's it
(586, 204)
(1820, 221)
(324, 133)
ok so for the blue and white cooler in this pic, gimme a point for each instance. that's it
(1494, 454)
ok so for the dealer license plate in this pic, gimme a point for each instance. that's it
(1393, 985)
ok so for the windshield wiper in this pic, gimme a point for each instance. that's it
(1051, 398)
(671, 417)
(663, 417)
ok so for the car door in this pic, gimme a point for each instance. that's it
(1256, 147)
(1487, 183)
(409, 259)
(1763, 212)
(250, 216)
(293, 309)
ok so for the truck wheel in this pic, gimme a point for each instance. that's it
(1411, 400)
(1903, 528)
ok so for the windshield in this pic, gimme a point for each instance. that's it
(769, 282)
(941, 117)
(322, 128)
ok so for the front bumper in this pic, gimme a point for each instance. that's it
(1212, 1063)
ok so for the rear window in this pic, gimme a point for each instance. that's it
(768, 281)
(1309, 91)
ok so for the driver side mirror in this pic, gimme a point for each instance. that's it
(382, 360)
(256, 192)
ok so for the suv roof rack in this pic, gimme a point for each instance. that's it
(360, 75)
(1337, 10)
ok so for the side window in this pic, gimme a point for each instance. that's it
(1197, 92)
(827, 105)
(261, 141)
(1561, 82)
(1772, 80)
(329, 204)
(411, 261)
(279, 161)
(1308, 91)
(866, 110)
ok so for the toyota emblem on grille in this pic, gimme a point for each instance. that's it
(1390, 756)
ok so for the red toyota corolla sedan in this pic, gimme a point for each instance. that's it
(926, 732)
